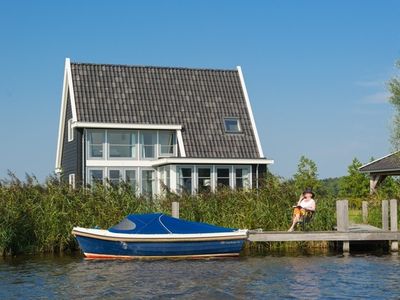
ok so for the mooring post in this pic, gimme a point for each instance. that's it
(175, 210)
(385, 215)
(393, 224)
(365, 212)
(342, 221)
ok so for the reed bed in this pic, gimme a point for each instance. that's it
(38, 218)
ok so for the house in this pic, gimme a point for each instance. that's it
(184, 128)
(381, 168)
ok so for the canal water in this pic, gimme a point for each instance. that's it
(267, 277)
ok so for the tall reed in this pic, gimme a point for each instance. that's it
(39, 217)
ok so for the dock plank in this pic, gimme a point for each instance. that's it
(283, 236)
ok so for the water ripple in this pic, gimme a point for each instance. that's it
(304, 277)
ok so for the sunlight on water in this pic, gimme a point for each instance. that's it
(302, 277)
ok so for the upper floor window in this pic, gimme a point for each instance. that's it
(122, 144)
(232, 125)
(167, 141)
(148, 140)
(70, 131)
(96, 140)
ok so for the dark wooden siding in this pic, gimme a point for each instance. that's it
(71, 157)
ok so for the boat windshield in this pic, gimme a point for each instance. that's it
(125, 224)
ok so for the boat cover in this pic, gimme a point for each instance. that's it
(159, 223)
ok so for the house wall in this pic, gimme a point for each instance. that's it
(71, 157)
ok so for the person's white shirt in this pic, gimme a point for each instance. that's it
(308, 204)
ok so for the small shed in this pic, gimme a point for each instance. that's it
(381, 168)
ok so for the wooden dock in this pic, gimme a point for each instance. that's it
(344, 232)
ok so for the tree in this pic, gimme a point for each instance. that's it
(355, 184)
(306, 175)
(394, 89)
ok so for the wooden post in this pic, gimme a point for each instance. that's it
(342, 221)
(393, 224)
(365, 212)
(385, 215)
(175, 209)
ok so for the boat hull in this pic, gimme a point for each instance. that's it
(97, 248)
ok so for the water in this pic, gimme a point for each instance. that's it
(269, 277)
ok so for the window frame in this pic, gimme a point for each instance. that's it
(72, 180)
(89, 178)
(70, 131)
(88, 143)
(143, 145)
(180, 187)
(198, 187)
(133, 144)
(153, 184)
(174, 144)
(249, 174)
(238, 125)
(229, 178)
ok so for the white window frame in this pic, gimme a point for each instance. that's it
(178, 177)
(174, 146)
(136, 144)
(230, 168)
(104, 145)
(88, 177)
(70, 130)
(71, 180)
(232, 119)
(136, 176)
(142, 145)
(154, 184)
(249, 168)
(121, 173)
(211, 176)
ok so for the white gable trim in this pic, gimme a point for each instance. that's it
(126, 126)
(253, 123)
(67, 89)
(71, 88)
(180, 143)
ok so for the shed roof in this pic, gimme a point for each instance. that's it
(198, 99)
(387, 164)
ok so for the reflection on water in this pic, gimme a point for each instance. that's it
(303, 277)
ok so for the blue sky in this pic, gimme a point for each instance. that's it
(315, 70)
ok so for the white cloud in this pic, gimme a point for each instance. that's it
(377, 98)
(370, 83)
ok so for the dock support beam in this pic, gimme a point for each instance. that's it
(175, 210)
(342, 221)
(393, 224)
(365, 212)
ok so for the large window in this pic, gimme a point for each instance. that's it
(232, 125)
(166, 139)
(148, 182)
(185, 180)
(114, 176)
(96, 140)
(95, 176)
(242, 177)
(130, 178)
(121, 144)
(204, 179)
(148, 140)
(223, 177)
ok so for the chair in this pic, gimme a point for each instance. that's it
(306, 219)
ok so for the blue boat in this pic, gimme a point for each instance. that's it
(159, 236)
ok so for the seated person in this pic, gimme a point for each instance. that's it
(306, 203)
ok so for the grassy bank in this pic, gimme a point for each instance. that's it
(38, 218)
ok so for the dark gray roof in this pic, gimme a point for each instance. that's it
(387, 163)
(197, 99)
